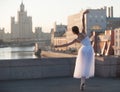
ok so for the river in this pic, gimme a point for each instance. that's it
(17, 52)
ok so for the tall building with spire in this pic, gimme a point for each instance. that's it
(22, 29)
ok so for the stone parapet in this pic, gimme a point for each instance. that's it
(36, 68)
(107, 66)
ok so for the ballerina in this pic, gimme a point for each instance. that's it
(84, 66)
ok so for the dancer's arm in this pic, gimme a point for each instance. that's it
(83, 21)
(67, 44)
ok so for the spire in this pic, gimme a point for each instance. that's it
(22, 6)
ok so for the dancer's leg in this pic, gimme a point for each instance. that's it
(82, 85)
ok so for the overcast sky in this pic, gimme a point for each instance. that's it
(45, 12)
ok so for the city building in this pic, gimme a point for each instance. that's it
(42, 39)
(22, 33)
(103, 43)
(4, 37)
(117, 41)
(1, 34)
(112, 22)
(40, 35)
(22, 29)
(58, 36)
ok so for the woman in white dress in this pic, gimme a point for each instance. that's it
(84, 66)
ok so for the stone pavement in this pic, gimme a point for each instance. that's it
(61, 84)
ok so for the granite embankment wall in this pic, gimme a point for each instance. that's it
(36, 68)
(54, 67)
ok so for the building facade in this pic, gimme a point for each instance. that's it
(4, 37)
(40, 35)
(113, 23)
(1, 34)
(103, 43)
(22, 29)
(117, 41)
(58, 36)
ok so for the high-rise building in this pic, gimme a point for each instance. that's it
(22, 29)
(58, 36)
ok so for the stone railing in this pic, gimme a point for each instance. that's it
(108, 66)
(54, 67)
(36, 68)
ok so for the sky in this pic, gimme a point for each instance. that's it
(45, 12)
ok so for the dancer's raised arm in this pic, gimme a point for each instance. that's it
(83, 21)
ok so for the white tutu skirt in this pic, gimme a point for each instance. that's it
(84, 66)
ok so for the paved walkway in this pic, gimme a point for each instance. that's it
(62, 84)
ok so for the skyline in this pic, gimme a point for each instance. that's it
(45, 12)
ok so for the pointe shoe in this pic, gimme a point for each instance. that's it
(82, 87)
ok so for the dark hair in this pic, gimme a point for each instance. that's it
(75, 30)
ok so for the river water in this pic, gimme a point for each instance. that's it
(17, 52)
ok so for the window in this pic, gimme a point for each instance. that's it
(116, 43)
